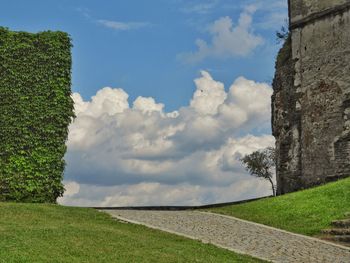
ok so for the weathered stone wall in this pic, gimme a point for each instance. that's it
(286, 121)
(311, 101)
(301, 9)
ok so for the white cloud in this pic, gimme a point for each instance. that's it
(192, 152)
(227, 40)
(147, 105)
(123, 26)
(201, 8)
(274, 20)
(145, 194)
(273, 14)
(210, 94)
(248, 102)
(71, 189)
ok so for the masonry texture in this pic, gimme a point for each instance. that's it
(311, 100)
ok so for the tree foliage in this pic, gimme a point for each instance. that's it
(36, 109)
(261, 164)
(283, 34)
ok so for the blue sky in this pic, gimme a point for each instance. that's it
(144, 59)
(169, 95)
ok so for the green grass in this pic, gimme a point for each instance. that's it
(305, 212)
(52, 233)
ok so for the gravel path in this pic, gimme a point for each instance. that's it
(238, 235)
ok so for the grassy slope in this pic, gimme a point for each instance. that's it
(50, 233)
(304, 212)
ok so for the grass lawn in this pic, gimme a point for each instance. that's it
(305, 212)
(52, 233)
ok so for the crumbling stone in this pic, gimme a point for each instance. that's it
(311, 100)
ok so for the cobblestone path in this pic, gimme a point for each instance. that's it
(238, 235)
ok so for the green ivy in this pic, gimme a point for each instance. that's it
(35, 111)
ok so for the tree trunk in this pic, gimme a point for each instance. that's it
(273, 187)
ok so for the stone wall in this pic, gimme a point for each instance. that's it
(311, 101)
(302, 9)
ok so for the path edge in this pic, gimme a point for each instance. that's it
(279, 230)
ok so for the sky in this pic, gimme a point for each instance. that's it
(168, 95)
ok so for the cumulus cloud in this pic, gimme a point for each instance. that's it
(227, 39)
(147, 105)
(193, 152)
(122, 26)
(210, 94)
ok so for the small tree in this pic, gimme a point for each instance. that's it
(261, 164)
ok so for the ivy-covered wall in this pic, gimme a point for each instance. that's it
(35, 111)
